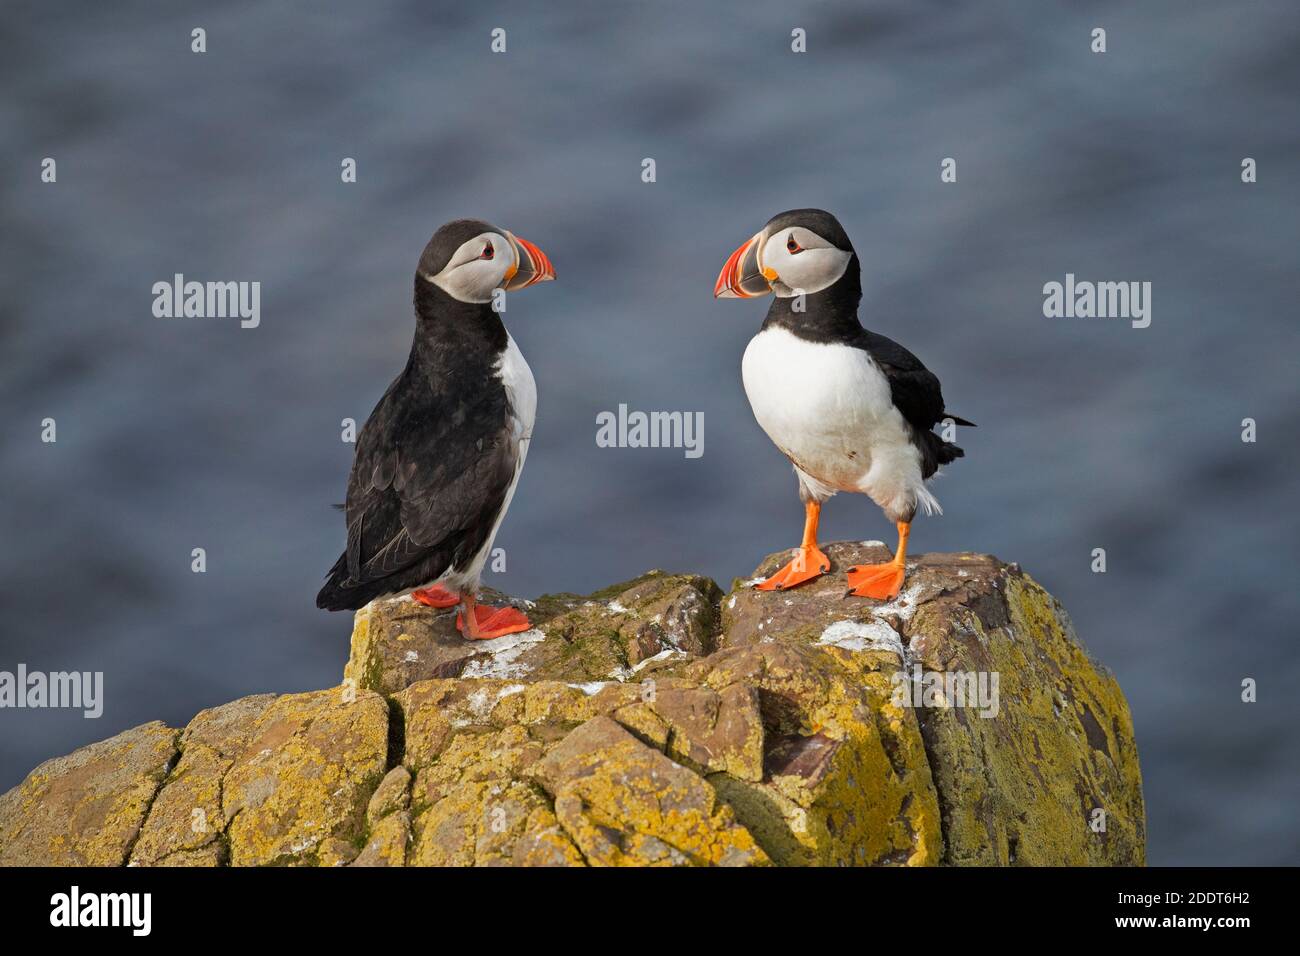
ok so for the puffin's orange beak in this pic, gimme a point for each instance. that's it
(531, 265)
(741, 278)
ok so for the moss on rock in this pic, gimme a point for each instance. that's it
(654, 723)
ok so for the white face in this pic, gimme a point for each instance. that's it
(478, 268)
(803, 262)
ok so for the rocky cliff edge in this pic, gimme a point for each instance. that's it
(656, 722)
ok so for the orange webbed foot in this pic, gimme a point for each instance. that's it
(436, 596)
(489, 622)
(879, 581)
(808, 563)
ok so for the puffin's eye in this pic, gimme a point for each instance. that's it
(488, 252)
(792, 247)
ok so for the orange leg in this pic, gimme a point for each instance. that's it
(479, 623)
(881, 581)
(436, 596)
(808, 563)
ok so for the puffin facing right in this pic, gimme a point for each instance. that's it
(852, 410)
(437, 462)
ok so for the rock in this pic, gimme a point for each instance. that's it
(305, 778)
(388, 825)
(845, 777)
(625, 804)
(477, 749)
(187, 825)
(86, 809)
(283, 780)
(392, 794)
(654, 723)
(613, 633)
(386, 842)
(712, 730)
(1024, 786)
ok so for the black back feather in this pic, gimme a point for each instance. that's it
(435, 459)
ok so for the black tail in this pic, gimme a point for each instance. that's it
(943, 451)
(335, 597)
(935, 452)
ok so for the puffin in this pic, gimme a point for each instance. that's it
(852, 410)
(437, 461)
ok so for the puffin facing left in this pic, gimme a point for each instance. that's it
(438, 460)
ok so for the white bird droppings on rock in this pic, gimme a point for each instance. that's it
(863, 636)
(502, 656)
(621, 674)
(903, 606)
(591, 688)
(478, 702)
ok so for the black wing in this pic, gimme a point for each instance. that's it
(430, 475)
(914, 388)
(916, 393)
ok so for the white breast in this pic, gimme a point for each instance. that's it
(828, 408)
(521, 389)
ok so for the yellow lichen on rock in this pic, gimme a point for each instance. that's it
(1053, 779)
(1047, 776)
(655, 723)
(635, 627)
(305, 776)
(364, 668)
(86, 809)
(270, 780)
(474, 805)
(386, 842)
(625, 804)
(187, 822)
(482, 795)
(846, 783)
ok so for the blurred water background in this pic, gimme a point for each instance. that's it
(225, 166)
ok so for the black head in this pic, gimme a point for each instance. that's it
(470, 259)
(817, 221)
(799, 252)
